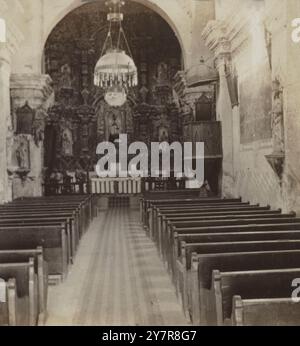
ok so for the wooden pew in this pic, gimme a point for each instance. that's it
(204, 264)
(8, 309)
(162, 214)
(44, 219)
(256, 284)
(57, 222)
(25, 302)
(184, 263)
(52, 238)
(26, 212)
(40, 207)
(41, 271)
(158, 214)
(155, 210)
(231, 237)
(255, 227)
(85, 205)
(169, 221)
(265, 312)
(146, 204)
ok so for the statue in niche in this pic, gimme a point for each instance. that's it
(162, 73)
(38, 126)
(277, 118)
(22, 155)
(85, 96)
(114, 130)
(161, 126)
(65, 81)
(25, 116)
(144, 94)
(114, 126)
(163, 134)
(67, 142)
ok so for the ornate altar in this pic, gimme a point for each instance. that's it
(80, 117)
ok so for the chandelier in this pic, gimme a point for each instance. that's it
(115, 71)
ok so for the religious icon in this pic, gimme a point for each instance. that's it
(162, 72)
(22, 155)
(67, 142)
(115, 126)
(163, 134)
(66, 78)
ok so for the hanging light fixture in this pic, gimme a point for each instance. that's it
(115, 71)
(115, 96)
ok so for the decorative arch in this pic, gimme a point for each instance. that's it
(71, 52)
(147, 3)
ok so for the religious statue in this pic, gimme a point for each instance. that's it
(114, 127)
(67, 142)
(162, 73)
(66, 78)
(277, 118)
(38, 126)
(22, 155)
(85, 96)
(144, 94)
(163, 134)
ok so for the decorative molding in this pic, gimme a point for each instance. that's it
(276, 161)
(229, 36)
(34, 88)
(215, 36)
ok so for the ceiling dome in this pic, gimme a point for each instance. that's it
(201, 74)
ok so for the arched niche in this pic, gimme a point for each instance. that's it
(172, 12)
(71, 52)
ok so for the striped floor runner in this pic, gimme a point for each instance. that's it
(117, 279)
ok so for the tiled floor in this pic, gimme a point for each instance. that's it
(117, 279)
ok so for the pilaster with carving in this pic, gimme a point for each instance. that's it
(31, 96)
(216, 39)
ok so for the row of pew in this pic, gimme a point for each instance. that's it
(39, 238)
(232, 262)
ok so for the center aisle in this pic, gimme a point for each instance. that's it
(117, 279)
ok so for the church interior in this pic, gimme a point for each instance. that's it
(79, 249)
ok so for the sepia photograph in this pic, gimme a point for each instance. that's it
(149, 166)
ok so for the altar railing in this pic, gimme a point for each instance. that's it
(114, 186)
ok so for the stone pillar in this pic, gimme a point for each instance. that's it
(5, 191)
(215, 38)
(34, 90)
(288, 59)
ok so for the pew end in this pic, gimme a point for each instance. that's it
(267, 312)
